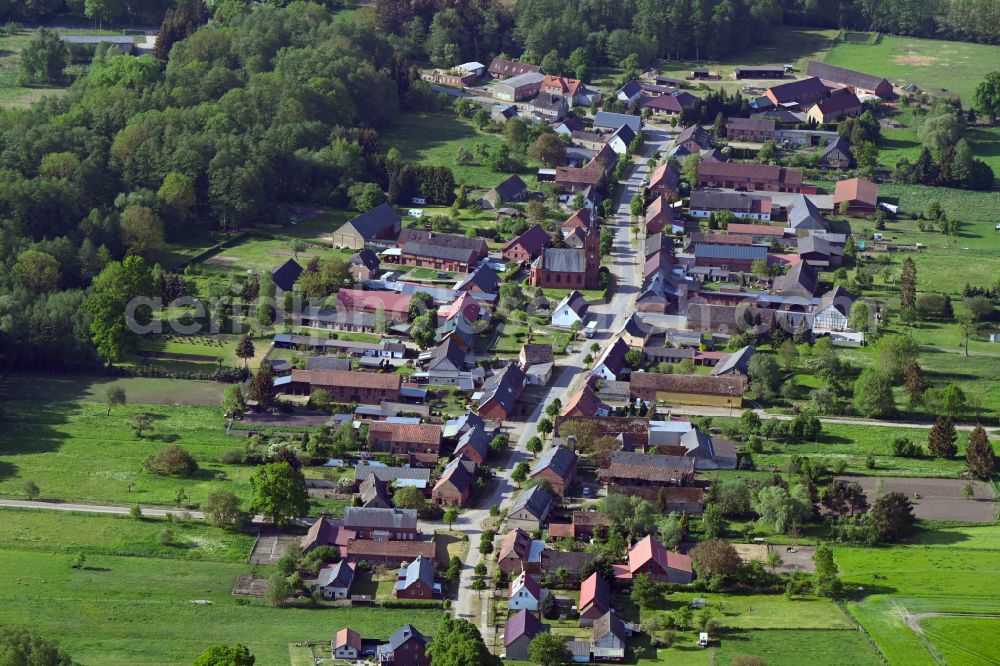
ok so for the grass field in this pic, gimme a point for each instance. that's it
(139, 610)
(934, 65)
(949, 570)
(964, 641)
(141, 390)
(434, 140)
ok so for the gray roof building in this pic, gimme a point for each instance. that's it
(613, 121)
(559, 459)
(390, 519)
(285, 275)
(737, 363)
(535, 500)
(714, 251)
(562, 259)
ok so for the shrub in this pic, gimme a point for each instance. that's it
(172, 461)
(166, 537)
(235, 456)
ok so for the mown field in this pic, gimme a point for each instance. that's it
(934, 65)
(139, 609)
(948, 570)
(434, 140)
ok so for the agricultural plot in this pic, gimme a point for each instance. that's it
(936, 66)
(951, 570)
(139, 609)
(937, 499)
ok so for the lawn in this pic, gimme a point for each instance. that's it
(929, 63)
(139, 611)
(793, 647)
(948, 570)
(141, 390)
(434, 139)
(263, 254)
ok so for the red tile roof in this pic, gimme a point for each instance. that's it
(561, 530)
(568, 87)
(418, 433)
(585, 402)
(856, 189)
(649, 549)
(347, 638)
(580, 218)
(360, 299)
(372, 380)
(737, 228)
(359, 549)
(594, 590)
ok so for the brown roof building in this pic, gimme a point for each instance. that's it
(724, 391)
(400, 438)
(388, 552)
(749, 177)
(527, 246)
(803, 92)
(369, 388)
(856, 82)
(504, 69)
(860, 195)
(757, 130)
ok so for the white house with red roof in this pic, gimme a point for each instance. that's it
(524, 593)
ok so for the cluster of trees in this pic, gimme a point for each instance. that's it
(946, 159)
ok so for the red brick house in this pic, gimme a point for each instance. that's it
(444, 252)
(455, 484)
(415, 580)
(665, 182)
(527, 246)
(500, 393)
(860, 195)
(504, 69)
(518, 553)
(369, 388)
(659, 216)
(804, 92)
(400, 438)
(756, 130)
(557, 466)
(406, 647)
(749, 177)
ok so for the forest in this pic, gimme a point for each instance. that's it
(268, 107)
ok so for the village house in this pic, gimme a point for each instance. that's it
(455, 484)
(369, 388)
(347, 644)
(518, 631)
(397, 476)
(749, 177)
(563, 86)
(640, 474)
(629, 94)
(837, 154)
(832, 315)
(758, 233)
(607, 643)
(519, 553)
(611, 363)
(547, 107)
(754, 130)
(364, 265)
(474, 444)
(527, 246)
(737, 363)
(524, 593)
(669, 104)
(537, 360)
(804, 216)
(703, 203)
(381, 524)
(325, 532)
(504, 69)
(443, 252)
(836, 107)
(530, 509)
(659, 216)
(518, 88)
(621, 139)
(501, 113)
(388, 553)
(649, 557)
(415, 580)
(595, 599)
(374, 493)
(483, 280)
(334, 581)
(857, 82)
(819, 252)
(585, 403)
(706, 451)
(400, 438)
(557, 465)
(665, 182)
(800, 281)
(500, 393)
(692, 140)
(584, 179)
(285, 276)
(804, 92)
(511, 190)
(729, 257)
(612, 121)
(660, 389)
(857, 194)
(381, 223)
(394, 305)
(406, 647)
(448, 356)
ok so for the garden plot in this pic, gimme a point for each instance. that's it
(937, 499)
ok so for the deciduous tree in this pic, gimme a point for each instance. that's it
(279, 493)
